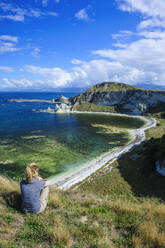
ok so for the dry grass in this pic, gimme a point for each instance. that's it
(8, 186)
(137, 242)
(10, 193)
(105, 243)
(157, 131)
(124, 206)
(54, 200)
(160, 211)
(148, 235)
(59, 233)
(153, 210)
(149, 225)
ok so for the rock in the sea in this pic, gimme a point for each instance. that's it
(62, 104)
(62, 107)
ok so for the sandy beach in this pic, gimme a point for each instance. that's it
(68, 179)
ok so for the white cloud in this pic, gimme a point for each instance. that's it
(157, 34)
(152, 22)
(35, 52)
(22, 83)
(76, 61)
(15, 18)
(6, 68)
(145, 56)
(8, 43)
(45, 2)
(9, 38)
(122, 34)
(53, 13)
(153, 10)
(15, 13)
(82, 15)
(54, 76)
(8, 47)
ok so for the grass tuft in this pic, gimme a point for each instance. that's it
(59, 233)
(54, 200)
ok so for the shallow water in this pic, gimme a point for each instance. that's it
(57, 142)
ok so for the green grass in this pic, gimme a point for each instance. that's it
(93, 107)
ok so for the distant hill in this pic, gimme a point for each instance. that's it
(150, 86)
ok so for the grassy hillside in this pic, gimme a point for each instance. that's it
(110, 86)
(122, 207)
(93, 108)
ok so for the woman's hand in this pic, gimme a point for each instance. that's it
(40, 178)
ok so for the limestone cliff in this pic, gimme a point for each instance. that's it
(122, 97)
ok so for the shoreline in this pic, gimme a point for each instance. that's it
(68, 179)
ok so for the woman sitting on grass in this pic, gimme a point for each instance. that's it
(34, 191)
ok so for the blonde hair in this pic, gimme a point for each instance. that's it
(31, 172)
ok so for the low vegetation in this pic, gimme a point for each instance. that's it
(121, 205)
(93, 107)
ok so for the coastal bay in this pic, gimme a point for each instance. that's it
(58, 143)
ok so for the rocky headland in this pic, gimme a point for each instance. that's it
(112, 97)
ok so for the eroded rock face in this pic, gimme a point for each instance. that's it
(62, 107)
(130, 99)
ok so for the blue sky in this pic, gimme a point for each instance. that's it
(49, 44)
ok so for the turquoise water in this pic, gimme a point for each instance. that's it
(57, 142)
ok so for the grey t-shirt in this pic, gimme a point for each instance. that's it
(30, 193)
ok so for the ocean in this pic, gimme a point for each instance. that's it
(56, 142)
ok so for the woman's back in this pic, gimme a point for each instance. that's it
(30, 192)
